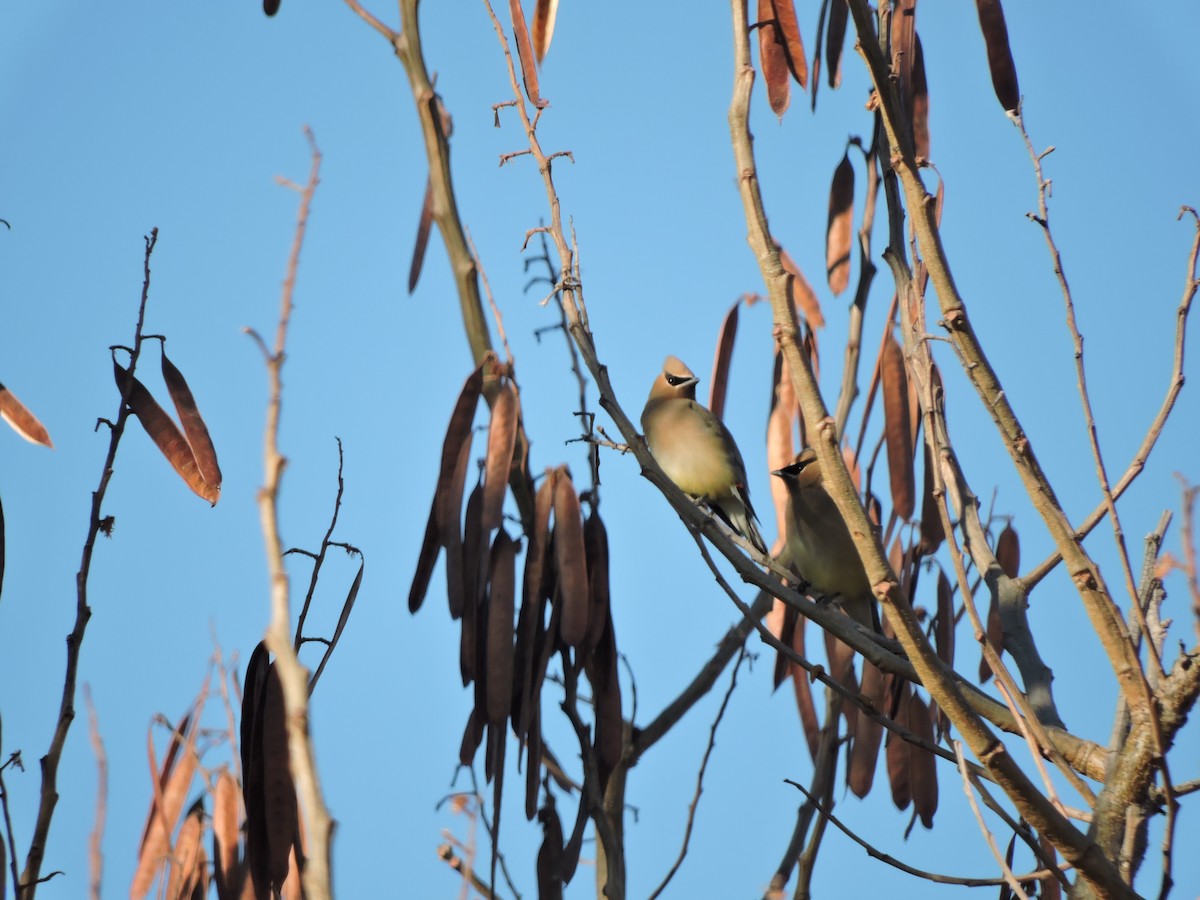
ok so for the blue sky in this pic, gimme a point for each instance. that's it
(179, 116)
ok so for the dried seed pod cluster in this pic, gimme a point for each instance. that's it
(190, 451)
(508, 639)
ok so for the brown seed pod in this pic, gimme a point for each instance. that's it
(835, 42)
(920, 101)
(595, 543)
(773, 60)
(449, 502)
(789, 27)
(550, 856)
(194, 428)
(802, 688)
(502, 440)
(1008, 551)
(525, 53)
(279, 791)
(458, 432)
(932, 532)
(500, 630)
(570, 558)
(165, 434)
(894, 382)
(424, 224)
(426, 560)
(227, 872)
(840, 226)
(171, 788)
(22, 421)
(898, 756)
(1000, 61)
(720, 369)
(868, 734)
(923, 764)
(544, 14)
(187, 855)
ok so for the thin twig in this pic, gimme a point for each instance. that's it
(292, 675)
(96, 839)
(26, 886)
(1175, 385)
(319, 556)
(1009, 878)
(935, 877)
(691, 816)
(1043, 220)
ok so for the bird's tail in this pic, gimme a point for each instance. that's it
(740, 517)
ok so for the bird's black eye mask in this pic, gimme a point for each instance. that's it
(677, 380)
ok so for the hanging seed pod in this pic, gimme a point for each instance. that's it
(174, 781)
(194, 428)
(502, 582)
(424, 224)
(789, 27)
(1000, 61)
(840, 225)
(570, 557)
(868, 734)
(898, 757)
(227, 871)
(894, 383)
(923, 763)
(525, 53)
(21, 420)
(165, 434)
(835, 42)
(502, 441)
(773, 60)
(595, 543)
(544, 14)
(720, 370)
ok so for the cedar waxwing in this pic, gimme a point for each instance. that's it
(696, 450)
(819, 544)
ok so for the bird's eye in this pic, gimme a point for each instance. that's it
(675, 380)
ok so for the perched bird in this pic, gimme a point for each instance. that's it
(697, 451)
(819, 544)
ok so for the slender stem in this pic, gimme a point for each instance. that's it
(26, 887)
(292, 675)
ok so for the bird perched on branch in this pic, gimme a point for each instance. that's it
(696, 450)
(819, 544)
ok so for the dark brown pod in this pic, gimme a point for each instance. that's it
(1000, 61)
(570, 557)
(500, 629)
